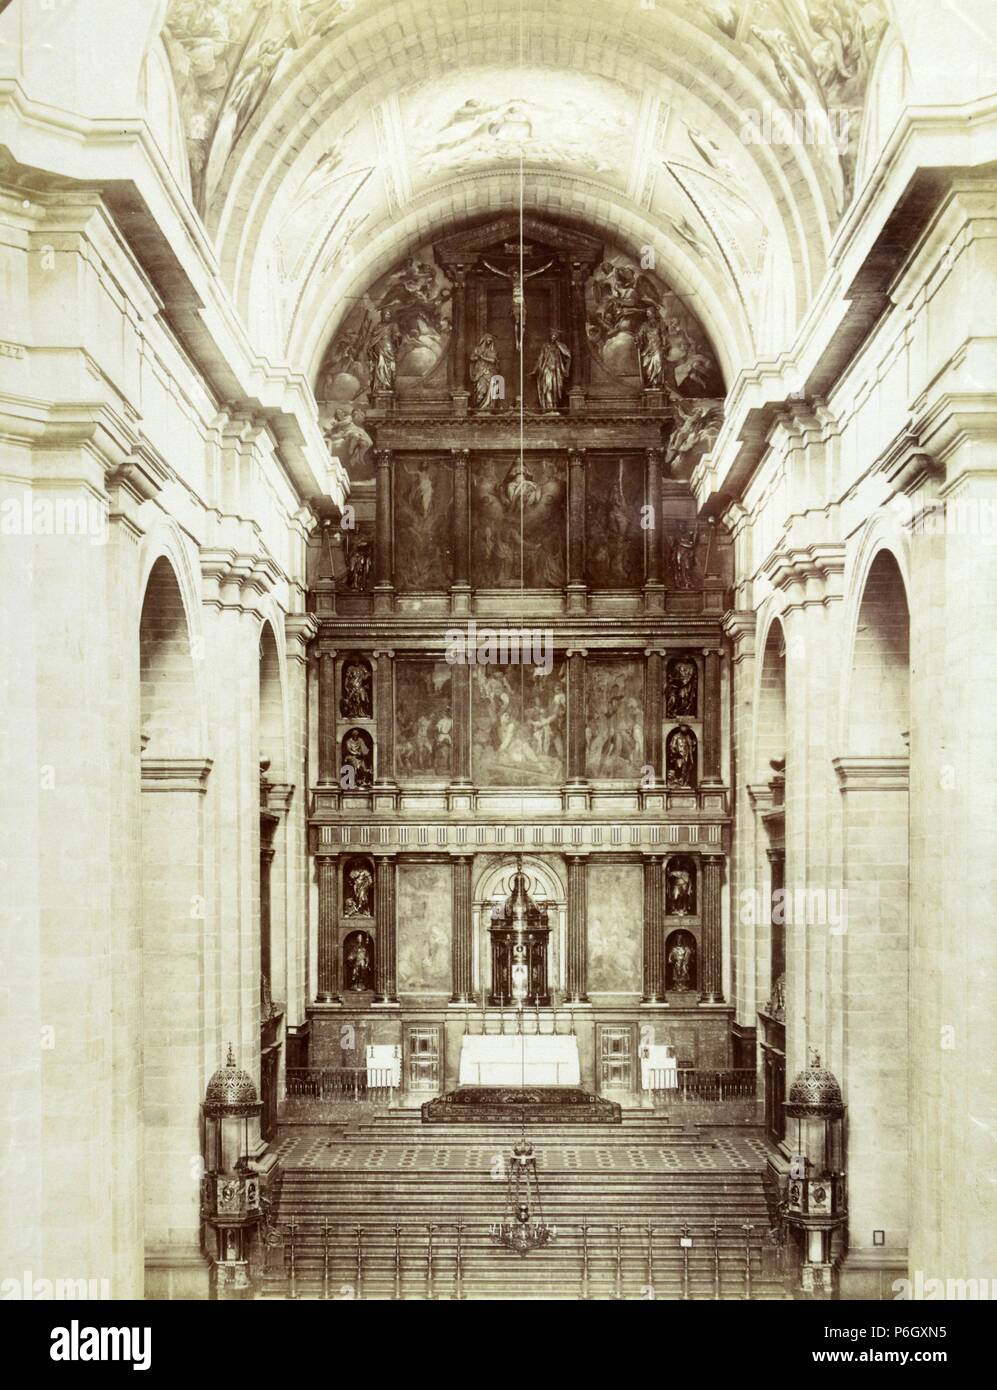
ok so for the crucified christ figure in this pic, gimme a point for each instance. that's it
(518, 299)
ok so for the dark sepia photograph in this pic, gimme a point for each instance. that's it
(498, 537)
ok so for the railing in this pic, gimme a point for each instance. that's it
(494, 1019)
(343, 1083)
(613, 1260)
(687, 1084)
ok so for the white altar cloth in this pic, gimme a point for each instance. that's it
(536, 1060)
(658, 1068)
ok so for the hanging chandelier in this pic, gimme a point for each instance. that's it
(523, 1228)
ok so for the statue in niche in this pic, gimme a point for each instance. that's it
(358, 754)
(483, 366)
(684, 559)
(681, 963)
(357, 698)
(680, 757)
(680, 878)
(358, 889)
(682, 688)
(651, 350)
(551, 372)
(359, 562)
(518, 298)
(382, 350)
(358, 962)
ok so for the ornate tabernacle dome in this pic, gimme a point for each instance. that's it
(231, 1091)
(519, 910)
(815, 1091)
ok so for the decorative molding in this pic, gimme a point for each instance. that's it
(873, 773)
(175, 774)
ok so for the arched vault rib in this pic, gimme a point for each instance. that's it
(675, 58)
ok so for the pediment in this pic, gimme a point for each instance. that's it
(501, 237)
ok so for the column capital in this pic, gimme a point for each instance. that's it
(460, 457)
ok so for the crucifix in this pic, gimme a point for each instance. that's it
(518, 298)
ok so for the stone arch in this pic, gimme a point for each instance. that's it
(875, 703)
(169, 695)
(272, 726)
(770, 702)
(548, 881)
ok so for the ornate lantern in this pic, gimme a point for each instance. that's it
(519, 932)
(230, 1191)
(524, 1228)
(815, 1196)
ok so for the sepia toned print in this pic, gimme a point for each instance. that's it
(497, 538)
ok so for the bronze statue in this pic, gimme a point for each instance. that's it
(680, 959)
(681, 688)
(684, 560)
(681, 889)
(358, 754)
(358, 894)
(358, 962)
(483, 367)
(518, 298)
(680, 757)
(651, 350)
(381, 354)
(551, 372)
(357, 701)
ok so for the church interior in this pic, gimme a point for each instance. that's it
(518, 795)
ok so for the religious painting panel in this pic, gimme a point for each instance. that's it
(518, 725)
(614, 718)
(518, 533)
(423, 719)
(615, 928)
(614, 541)
(423, 507)
(424, 925)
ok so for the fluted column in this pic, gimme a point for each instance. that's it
(384, 560)
(576, 587)
(654, 584)
(460, 585)
(462, 941)
(576, 717)
(711, 719)
(328, 930)
(328, 754)
(384, 709)
(712, 962)
(654, 676)
(576, 963)
(386, 955)
(460, 695)
(579, 345)
(654, 930)
(457, 360)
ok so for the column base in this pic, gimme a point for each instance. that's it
(460, 598)
(654, 1001)
(463, 1001)
(654, 598)
(575, 1001)
(384, 796)
(576, 399)
(577, 598)
(384, 598)
(458, 402)
(460, 796)
(329, 999)
(385, 1001)
(711, 998)
(577, 796)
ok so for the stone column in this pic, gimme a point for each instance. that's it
(457, 360)
(654, 680)
(576, 717)
(712, 726)
(460, 584)
(384, 561)
(386, 951)
(777, 916)
(579, 345)
(460, 688)
(654, 930)
(654, 584)
(576, 972)
(462, 940)
(328, 752)
(711, 964)
(328, 929)
(576, 587)
(384, 712)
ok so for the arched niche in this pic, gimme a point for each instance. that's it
(681, 886)
(493, 885)
(358, 887)
(358, 962)
(681, 963)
